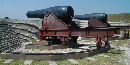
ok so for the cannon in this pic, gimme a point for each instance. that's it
(99, 16)
(62, 12)
(58, 32)
(58, 27)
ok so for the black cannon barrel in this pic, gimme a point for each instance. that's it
(62, 12)
(35, 14)
(100, 16)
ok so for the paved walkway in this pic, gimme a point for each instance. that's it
(52, 63)
(28, 62)
(8, 61)
(73, 61)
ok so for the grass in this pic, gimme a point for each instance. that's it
(14, 62)
(65, 62)
(123, 17)
(39, 63)
(118, 43)
(115, 56)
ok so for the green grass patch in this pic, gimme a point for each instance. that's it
(64, 62)
(115, 56)
(123, 17)
(1, 61)
(39, 63)
(84, 61)
(119, 43)
(14, 62)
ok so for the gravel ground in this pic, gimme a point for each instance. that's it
(84, 48)
(127, 53)
(126, 48)
(123, 45)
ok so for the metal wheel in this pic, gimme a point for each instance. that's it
(98, 44)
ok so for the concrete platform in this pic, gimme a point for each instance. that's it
(38, 46)
(50, 57)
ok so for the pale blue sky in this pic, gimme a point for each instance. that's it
(17, 8)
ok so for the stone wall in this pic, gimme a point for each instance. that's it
(14, 33)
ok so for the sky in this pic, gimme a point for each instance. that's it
(17, 9)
